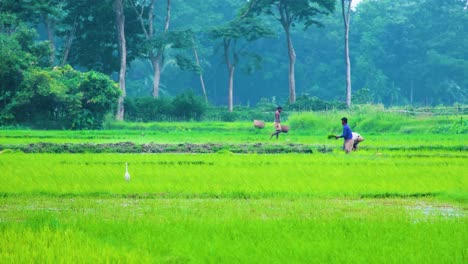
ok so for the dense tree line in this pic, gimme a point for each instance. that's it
(45, 97)
(401, 51)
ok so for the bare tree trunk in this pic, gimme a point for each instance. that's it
(159, 56)
(69, 41)
(201, 74)
(346, 19)
(120, 22)
(156, 59)
(231, 88)
(50, 26)
(156, 75)
(168, 16)
(231, 68)
(292, 62)
(411, 92)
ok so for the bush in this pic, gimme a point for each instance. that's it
(308, 103)
(265, 105)
(63, 98)
(362, 96)
(98, 95)
(229, 116)
(185, 106)
(188, 106)
(147, 109)
(240, 113)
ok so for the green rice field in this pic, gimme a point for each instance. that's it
(401, 198)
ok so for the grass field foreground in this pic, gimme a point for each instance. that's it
(87, 229)
(402, 198)
(232, 208)
(235, 176)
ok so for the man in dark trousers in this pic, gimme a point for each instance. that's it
(279, 109)
(347, 136)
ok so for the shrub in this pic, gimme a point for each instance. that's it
(240, 113)
(229, 116)
(188, 106)
(265, 105)
(98, 95)
(146, 109)
(63, 98)
(362, 96)
(185, 106)
(308, 103)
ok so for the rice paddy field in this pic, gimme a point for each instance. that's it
(401, 198)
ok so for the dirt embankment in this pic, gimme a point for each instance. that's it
(129, 147)
(261, 148)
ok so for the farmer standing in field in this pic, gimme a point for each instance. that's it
(347, 136)
(279, 109)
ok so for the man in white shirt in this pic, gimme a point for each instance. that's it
(356, 140)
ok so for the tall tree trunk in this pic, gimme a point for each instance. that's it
(69, 41)
(120, 22)
(159, 56)
(411, 92)
(168, 16)
(201, 73)
(156, 75)
(292, 62)
(231, 67)
(231, 88)
(155, 59)
(346, 19)
(157, 62)
(50, 27)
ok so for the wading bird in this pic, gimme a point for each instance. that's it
(127, 175)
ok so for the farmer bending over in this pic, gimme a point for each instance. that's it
(347, 136)
(356, 140)
(279, 109)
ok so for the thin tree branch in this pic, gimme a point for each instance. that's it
(140, 17)
(282, 15)
(349, 12)
(168, 16)
(346, 12)
(226, 44)
(69, 41)
(150, 17)
(202, 82)
(251, 4)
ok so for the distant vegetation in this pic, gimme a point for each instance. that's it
(401, 52)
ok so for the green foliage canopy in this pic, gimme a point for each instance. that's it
(290, 11)
(64, 98)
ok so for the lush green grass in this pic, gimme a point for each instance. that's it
(374, 121)
(366, 207)
(232, 231)
(249, 135)
(402, 197)
(308, 128)
(232, 176)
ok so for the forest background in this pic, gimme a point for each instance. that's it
(402, 53)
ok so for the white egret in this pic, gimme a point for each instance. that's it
(127, 175)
